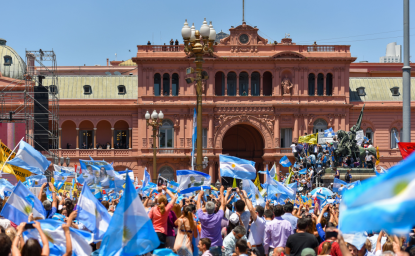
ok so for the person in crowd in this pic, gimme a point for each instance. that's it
(108, 145)
(241, 209)
(91, 146)
(211, 221)
(186, 230)
(369, 160)
(84, 146)
(32, 246)
(171, 234)
(68, 146)
(204, 245)
(230, 240)
(288, 209)
(348, 176)
(277, 231)
(159, 214)
(50, 207)
(241, 248)
(5, 244)
(294, 150)
(171, 42)
(301, 240)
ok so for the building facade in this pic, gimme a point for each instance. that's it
(259, 97)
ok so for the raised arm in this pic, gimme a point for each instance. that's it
(250, 206)
(379, 242)
(15, 249)
(68, 239)
(222, 198)
(45, 241)
(54, 200)
(198, 204)
(172, 196)
(39, 196)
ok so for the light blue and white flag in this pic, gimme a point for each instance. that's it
(36, 180)
(357, 239)
(30, 159)
(100, 173)
(385, 202)
(173, 186)
(57, 239)
(253, 192)
(284, 161)
(273, 171)
(396, 138)
(60, 179)
(69, 171)
(329, 133)
(340, 186)
(21, 204)
(280, 188)
(303, 171)
(92, 214)
(6, 188)
(194, 136)
(131, 231)
(190, 181)
(146, 178)
(234, 167)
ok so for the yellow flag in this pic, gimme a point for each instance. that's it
(234, 183)
(258, 183)
(310, 139)
(377, 155)
(287, 181)
(20, 173)
(276, 178)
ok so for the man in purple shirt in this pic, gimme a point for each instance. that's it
(211, 222)
(277, 231)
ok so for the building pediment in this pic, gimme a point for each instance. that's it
(244, 35)
(288, 55)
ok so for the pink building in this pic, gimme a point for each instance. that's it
(259, 97)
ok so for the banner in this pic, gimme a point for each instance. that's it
(360, 137)
(20, 173)
(406, 148)
(98, 173)
(310, 139)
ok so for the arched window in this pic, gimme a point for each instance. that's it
(157, 84)
(87, 89)
(121, 90)
(8, 60)
(243, 84)
(329, 84)
(167, 172)
(166, 84)
(320, 125)
(320, 84)
(231, 84)
(175, 84)
(166, 134)
(394, 143)
(255, 78)
(267, 84)
(400, 134)
(311, 83)
(220, 84)
(369, 134)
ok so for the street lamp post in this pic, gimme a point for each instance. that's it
(156, 121)
(195, 46)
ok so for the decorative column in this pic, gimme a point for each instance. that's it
(226, 85)
(60, 138)
(95, 138)
(295, 135)
(249, 85)
(77, 138)
(112, 138)
(336, 122)
(182, 140)
(211, 169)
(324, 85)
(315, 85)
(210, 138)
(306, 124)
(130, 137)
(277, 130)
(11, 132)
(237, 84)
(171, 85)
(343, 122)
(261, 87)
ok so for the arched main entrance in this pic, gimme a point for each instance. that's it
(243, 141)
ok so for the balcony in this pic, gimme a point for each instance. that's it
(95, 152)
(161, 48)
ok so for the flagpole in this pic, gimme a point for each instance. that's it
(1, 171)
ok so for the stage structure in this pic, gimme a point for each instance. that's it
(28, 101)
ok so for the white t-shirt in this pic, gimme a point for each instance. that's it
(256, 235)
(5, 223)
(293, 148)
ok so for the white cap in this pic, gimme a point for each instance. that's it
(234, 218)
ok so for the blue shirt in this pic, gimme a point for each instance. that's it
(321, 232)
(50, 213)
(291, 218)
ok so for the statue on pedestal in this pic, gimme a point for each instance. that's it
(286, 85)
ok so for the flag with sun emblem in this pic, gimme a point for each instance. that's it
(234, 167)
(385, 202)
(254, 194)
(21, 204)
(131, 231)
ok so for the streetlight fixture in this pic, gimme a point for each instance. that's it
(195, 46)
(68, 161)
(62, 160)
(154, 120)
(204, 163)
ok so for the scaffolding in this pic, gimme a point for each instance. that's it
(17, 102)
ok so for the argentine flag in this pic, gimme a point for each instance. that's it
(30, 159)
(194, 136)
(173, 186)
(6, 188)
(340, 186)
(57, 240)
(60, 178)
(131, 231)
(234, 167)
(92, 214)
(383, 202)
(303, 171)
(191, 181)
(146, 178)
(329, 133)
(284, 161)
(21, 204)
(36, 180)
(253, 192)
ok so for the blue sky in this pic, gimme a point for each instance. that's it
(90, 31)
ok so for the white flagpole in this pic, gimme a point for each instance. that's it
(1, 171)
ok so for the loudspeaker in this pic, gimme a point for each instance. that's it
(41, 117)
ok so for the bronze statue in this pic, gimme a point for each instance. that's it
(286, 85)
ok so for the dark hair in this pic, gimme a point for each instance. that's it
(242, 245)
(278, 210)
(268, 214)
(239, 206)
(69, 206)
(2, 230)
(288, 207)
(6, 244)
(31, 248)
(106, 204)
(302, 223)
(412, 251)
(206, 242)
(260, 210)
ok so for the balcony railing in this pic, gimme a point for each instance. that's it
(324, 48)
(95, 152)
(161, 48)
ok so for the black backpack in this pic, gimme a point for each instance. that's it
(347, 177)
